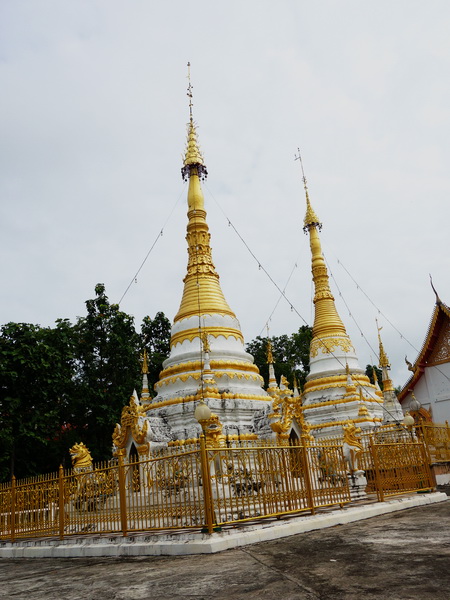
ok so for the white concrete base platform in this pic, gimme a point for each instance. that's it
(173, 544)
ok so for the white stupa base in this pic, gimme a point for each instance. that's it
(357, 483)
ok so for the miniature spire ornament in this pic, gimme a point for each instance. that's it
(272, 388)
(392, 409)
(145, 395)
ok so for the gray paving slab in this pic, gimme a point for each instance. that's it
(399, 556)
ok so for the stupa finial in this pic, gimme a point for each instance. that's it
(189, 92)
(311, 219)
(193, 158)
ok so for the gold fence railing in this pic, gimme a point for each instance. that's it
(436, 438)
(396, 468)
(199, 488)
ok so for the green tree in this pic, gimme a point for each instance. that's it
(290, 353)
(36, 374)
(107, 371)
(370, 369)
(155, 338)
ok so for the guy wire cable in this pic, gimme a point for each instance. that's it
(134, 278)
(281, 291)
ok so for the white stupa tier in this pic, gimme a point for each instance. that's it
(207, 357)
(336, 389)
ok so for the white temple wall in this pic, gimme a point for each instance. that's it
(433, 392)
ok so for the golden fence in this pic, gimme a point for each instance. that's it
(393, 468)
(436, 438)
(199, 488)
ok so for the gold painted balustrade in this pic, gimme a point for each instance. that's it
(195, 487)
(436, 438)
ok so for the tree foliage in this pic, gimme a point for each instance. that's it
(370, 369)
(107, 370)
(69, 383)
(36, 367)
(290, 354)
(155, 338)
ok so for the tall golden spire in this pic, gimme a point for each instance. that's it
(326, 318)
(202, 292)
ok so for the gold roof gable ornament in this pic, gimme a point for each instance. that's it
(131, 424)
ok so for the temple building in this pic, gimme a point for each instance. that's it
(426, 394)
(336, 389)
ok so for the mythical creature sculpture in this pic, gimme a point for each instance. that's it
(213, 433)
(91, 487)
(81, 457)
(352, 445)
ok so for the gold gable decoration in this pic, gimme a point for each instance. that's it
(129, 425)
(441, 352)
(286, 408)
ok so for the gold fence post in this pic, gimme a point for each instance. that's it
(425, 441)
(61, 501)
(308, 478)
(207, 491)
(428, 468)
(378, 483)
(122, 497)
(13, 508)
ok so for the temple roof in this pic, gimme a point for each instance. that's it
(431, 354)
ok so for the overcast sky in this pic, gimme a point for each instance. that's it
(93, 113)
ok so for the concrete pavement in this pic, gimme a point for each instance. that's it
(399, 556)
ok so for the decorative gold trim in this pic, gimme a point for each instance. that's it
(341, 401)
(328, 345)
(334, 423)
(217, 375)
(192, 398)
(195, 365)
(190, 334)
(335, 381)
